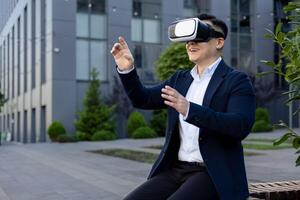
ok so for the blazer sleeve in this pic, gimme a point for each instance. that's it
(140, 96)
(237, 121)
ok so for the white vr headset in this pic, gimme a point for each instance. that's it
(192, 29)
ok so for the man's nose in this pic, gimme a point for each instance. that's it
(190, 42)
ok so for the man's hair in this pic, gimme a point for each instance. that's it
(216, 22)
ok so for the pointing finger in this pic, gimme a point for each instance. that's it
(123, 42)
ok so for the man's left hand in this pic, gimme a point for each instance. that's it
(175, 100)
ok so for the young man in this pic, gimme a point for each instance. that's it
(211, 109)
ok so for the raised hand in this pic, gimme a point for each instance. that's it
(122, 55)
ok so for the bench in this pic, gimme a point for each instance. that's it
(285, 190)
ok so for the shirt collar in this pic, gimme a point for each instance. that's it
(209, 71)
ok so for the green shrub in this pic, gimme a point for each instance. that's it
(144, 132)
(261, 126)
(82, 136)
(173, 58)
(159, 121)
(96, 114)
(262, 114)
(103, 135)
(56, 129)
(135, 121)
(66, 138)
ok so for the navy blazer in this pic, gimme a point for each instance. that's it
(224, 119)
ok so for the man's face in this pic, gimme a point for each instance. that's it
(199, 51)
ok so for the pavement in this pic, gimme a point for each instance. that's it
(52, 171)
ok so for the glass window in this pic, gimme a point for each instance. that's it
(145, 24)
(193, 7)
(137, 9)
(98, 58)
(82, 59)
(82, 6)
(98, 6)
(151, 10)
(98, 26)
(82, 24)
(137, 51)
(91, 42)
(136, 30)
(241, 37)
(151, 31)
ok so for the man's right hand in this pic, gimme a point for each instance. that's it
(122, 55)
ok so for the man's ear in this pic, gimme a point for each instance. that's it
(220, 43)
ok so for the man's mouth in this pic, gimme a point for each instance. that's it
(193, 50)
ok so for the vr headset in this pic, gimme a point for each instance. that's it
(192, 29)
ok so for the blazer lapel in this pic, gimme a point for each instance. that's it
(215, 82)
(183, 85)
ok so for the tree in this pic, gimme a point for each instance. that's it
(2, 100)
(172, 59)
(289, 43)
(96, 116)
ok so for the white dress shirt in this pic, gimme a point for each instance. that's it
(189, 134)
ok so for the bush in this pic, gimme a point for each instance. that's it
(144, 132)
(56, 129)
(66, 138)
(135, 121)
(262, 121)
(262, 114)
(261, 126)
(80, 136)
(171, 60)
(159, 121)
(103, 135)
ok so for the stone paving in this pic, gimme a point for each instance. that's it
(51, 171)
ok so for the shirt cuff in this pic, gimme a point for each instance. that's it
(187, 112)
(125, 71)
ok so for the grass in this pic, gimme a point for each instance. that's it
(265, 140)
(128, 154)
(139, 156)
(270, 146)
(256, 144)
(252, 154)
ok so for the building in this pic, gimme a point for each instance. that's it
(48, 47)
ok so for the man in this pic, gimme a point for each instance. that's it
(211, 109)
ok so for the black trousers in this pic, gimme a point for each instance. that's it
(183, 181)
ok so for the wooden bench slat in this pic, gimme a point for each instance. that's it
(283, 190)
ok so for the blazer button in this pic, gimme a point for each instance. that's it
(200, 138)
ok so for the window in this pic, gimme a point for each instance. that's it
(25, 127)
(42, 137)
(33, 44)
(191, 8)
(82, 59)
(91, 45)
(25, 50)
(242, 54)
(146, 36)
(33, 130)
(146, 23)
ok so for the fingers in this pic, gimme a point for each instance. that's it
(169, 97)
(123, 42)
(170, 91)
(117, 47)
